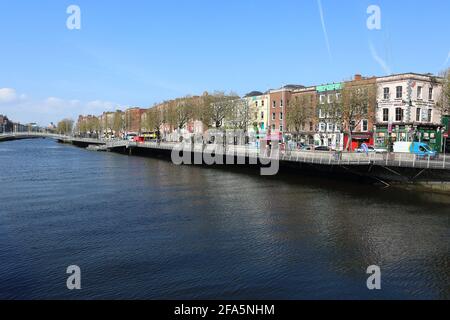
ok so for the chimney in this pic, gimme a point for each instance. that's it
(358, 77)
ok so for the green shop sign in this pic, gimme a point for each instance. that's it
(329, 87)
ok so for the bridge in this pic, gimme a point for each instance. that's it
(29, 135)
(47, 135)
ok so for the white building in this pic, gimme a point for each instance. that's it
(407, 109)
(259, 112)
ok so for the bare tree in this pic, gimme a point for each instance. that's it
(300, 112)
(94, 126)
(239, 118)
(118, 122)
(179, 112)
(154, 120)
(357, 103)
(217, 108)
(65, 126)
(443, 103)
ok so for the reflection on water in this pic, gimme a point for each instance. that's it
(144, 228)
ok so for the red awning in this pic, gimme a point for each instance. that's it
(361, 137)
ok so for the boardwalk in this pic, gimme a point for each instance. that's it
(392, 160)
(324, 158)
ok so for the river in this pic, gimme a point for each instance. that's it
(142, 228)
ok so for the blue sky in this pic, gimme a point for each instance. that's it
(135, 52)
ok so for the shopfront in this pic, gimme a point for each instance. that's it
(358, 139)
(386, 136)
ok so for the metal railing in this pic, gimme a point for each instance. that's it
(32, 134)
(312, 157)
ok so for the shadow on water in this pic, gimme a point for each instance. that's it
(350, 185)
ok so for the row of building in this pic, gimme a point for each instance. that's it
(9, 126)
(406, 109)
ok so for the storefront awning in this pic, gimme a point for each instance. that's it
(362, 137)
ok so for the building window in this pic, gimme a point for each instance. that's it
(385, 114)
(281, 102)
(330, 127)
(262, 115)
(399, 114)
(419, 92)
(386, 94)
(330, 98)
(365, 126)
(399, 94)
(430, 94)
(256, 104)
(322, 127)
(273, 127)
(418, 114)
(322, 99)
(281, 115)
(262, 103)
(274, 116)
(274, 104)
(338, 96)
(321, 116)
(281, 128)
(430, 115)
(311, 126)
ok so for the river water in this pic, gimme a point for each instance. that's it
(144, 228)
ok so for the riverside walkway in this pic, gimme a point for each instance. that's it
(312, 157)
(383, 167)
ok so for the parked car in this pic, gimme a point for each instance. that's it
(371, 149)
(323, 148)
(307, 148)
(130, 136)
(139, 139)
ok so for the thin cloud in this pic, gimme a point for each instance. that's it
(52, 109)
(7, 95)
(324, 28)
(445, 64)
(379, 60)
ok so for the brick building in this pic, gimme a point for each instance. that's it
(133, 119)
